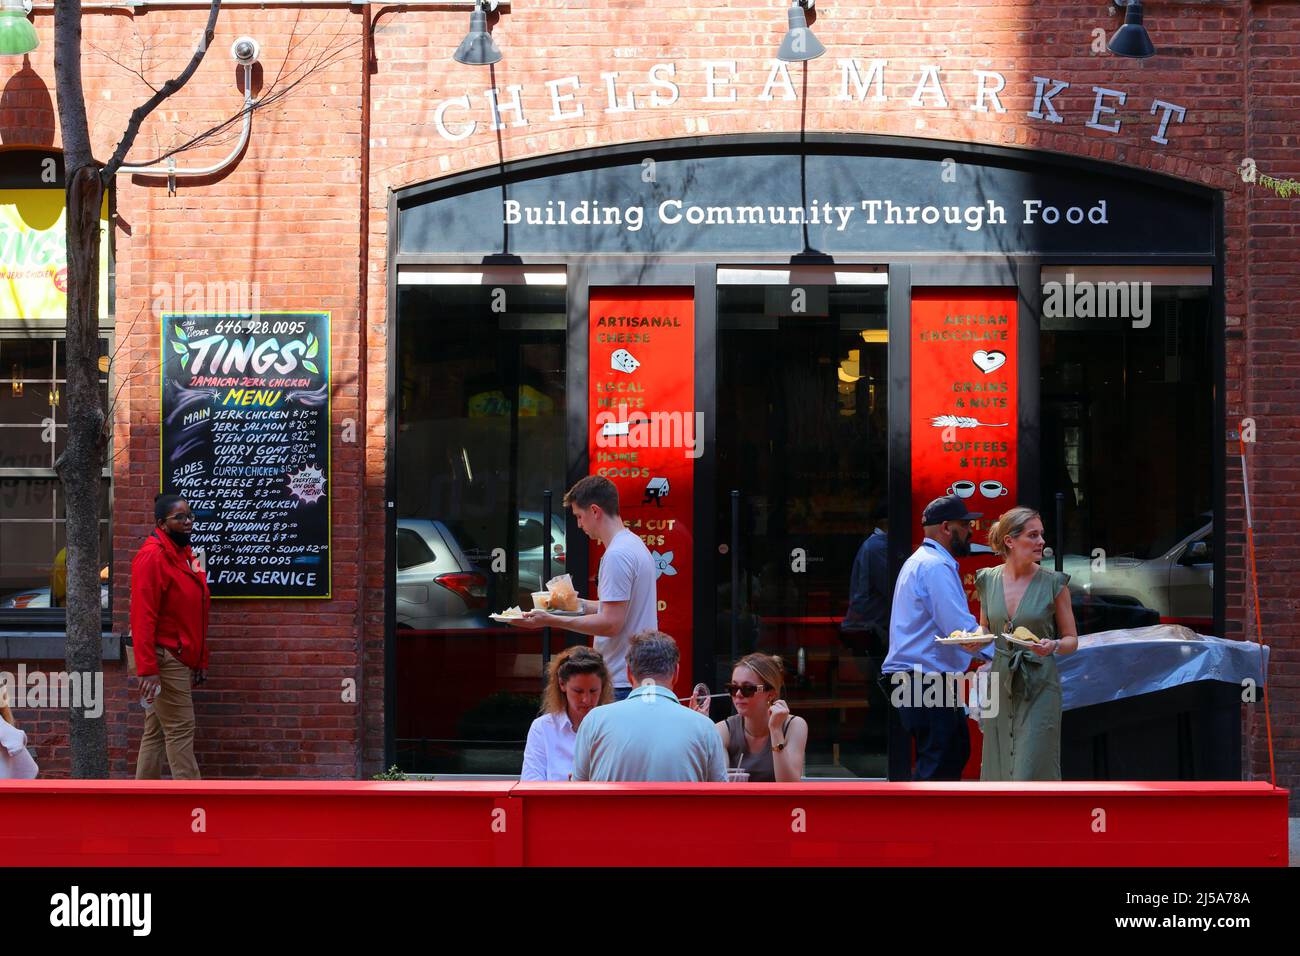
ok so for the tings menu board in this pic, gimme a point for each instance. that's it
(965, 408)
(245, 439)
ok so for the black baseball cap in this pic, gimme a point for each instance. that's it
(950, 508)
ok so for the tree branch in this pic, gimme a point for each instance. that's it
(308, 69)
(141, 112)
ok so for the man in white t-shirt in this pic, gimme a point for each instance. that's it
(626, 584)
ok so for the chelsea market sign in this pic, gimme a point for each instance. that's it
(460, 117)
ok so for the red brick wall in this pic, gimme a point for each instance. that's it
(284, 219)
(1271, 367)
(287, 216)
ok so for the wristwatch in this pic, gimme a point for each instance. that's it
(779, 747)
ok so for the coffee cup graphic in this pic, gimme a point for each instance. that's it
(962, 489)
(993, 489)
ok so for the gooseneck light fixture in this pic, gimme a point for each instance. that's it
(477, 49)
(1132, 39)
(799, 44)
(17, 34)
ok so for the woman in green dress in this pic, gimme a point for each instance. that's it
(1023, 740)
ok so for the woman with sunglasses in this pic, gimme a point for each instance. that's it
(762, 737)
(577, 681)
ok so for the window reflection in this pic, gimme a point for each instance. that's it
(480, 437)
(802, 434)
(1127, 437)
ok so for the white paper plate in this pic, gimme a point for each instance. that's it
(1016, 640)
(505, 620)
(973, 639)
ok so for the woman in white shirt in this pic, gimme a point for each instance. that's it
(15, 762)
(577, 681)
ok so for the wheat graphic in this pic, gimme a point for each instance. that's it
(956, 421)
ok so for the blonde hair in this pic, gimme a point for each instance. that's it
(1012, 524)
(769, 668)
(568, 663)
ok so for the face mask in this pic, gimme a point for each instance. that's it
(180, 538)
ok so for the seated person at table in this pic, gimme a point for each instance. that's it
(577, 681)
(762, 737)
(650, 735)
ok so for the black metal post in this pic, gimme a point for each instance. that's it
(735, 574)
(1060, 531)
(546, 576)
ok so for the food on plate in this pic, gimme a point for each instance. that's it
(563, 596)
(515, 611)
(1025, 634)
(966, 637)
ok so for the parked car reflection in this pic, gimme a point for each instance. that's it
(438, 586)
(444, 578)
(40, 598)
(1174, 577)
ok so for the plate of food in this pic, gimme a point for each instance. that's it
(1024, 637)
(965, 637)
(559, 598)
(508, 615)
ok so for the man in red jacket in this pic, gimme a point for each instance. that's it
(169, 630)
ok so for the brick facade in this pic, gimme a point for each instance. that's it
(288, 216)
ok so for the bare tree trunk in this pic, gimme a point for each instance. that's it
(82, 462)
(81, 465)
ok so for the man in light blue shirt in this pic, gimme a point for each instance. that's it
(649, 736)
(930, 602)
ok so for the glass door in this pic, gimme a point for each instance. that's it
(480, 437)
(802, 439)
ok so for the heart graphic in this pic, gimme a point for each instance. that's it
(989, 361)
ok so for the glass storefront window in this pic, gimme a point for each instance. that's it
(480, 437)
(1127, 437)
(33, 431)
(803, 436)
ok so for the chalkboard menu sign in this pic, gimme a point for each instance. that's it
(245, 438)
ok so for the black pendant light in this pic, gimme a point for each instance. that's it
(799, 44)
(477, 49)
(1132, 39)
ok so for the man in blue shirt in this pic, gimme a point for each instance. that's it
(866, 624)
(650, 735)
(930, 602)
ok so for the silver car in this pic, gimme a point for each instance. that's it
(1175, 577)
(438, 587)
(442, 577)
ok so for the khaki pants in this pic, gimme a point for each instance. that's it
(170, 725)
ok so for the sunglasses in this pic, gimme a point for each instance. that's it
(745, 690)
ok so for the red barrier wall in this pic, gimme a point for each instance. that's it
(201, 823)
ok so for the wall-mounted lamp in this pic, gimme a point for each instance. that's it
(477, 49)
(1132, 39)
(799, 44)
(17, 34)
